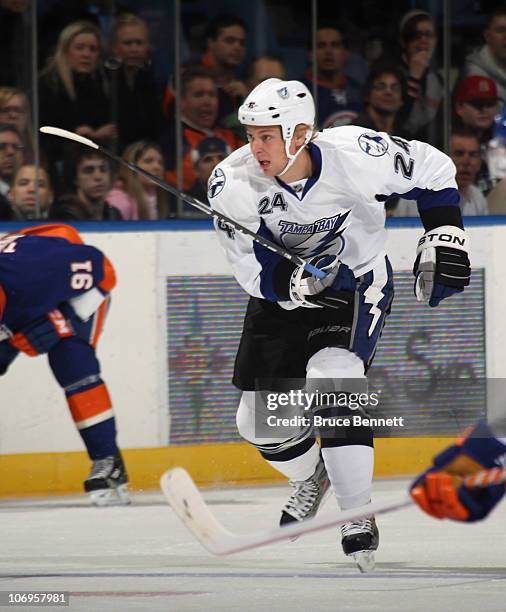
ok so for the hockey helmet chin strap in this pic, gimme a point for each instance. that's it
(292, 158)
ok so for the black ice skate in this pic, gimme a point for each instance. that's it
(108, 482)
(306, 497)
(360, 539)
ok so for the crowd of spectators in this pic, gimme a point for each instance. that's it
(98, 79)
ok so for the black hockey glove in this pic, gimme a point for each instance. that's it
(442, 265)
(336, 290)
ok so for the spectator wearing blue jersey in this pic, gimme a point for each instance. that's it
(339, 96)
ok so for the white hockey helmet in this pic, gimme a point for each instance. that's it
(283, 103)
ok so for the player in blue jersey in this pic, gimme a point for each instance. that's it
(54, 296)
(440, 490)
(321, 196)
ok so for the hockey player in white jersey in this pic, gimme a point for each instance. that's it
(321, 196)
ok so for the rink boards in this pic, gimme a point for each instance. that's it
(167, 355)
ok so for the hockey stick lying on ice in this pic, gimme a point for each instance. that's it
(54, 131)
(187, 502)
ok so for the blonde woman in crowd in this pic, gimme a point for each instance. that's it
(73, 92)
(15, 110)
(135, 196)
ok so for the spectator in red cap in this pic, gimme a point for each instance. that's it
(476, 104)
(208, 154)
(490, 60)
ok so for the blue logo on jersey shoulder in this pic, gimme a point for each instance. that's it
(373, 144)
(216, 183)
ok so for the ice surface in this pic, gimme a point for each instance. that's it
(140, 557)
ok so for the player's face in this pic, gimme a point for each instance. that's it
(199, 104)
(465, 153)
(27, 184)
(14, 111)
(330, 51)
(230, 46)
(268, 148)
(151, 161)
(423, 38)
(83, 53)
(93, 179)
(132, 45)
(386, 94)
(495, 37)
(478, 114)
(11, 154)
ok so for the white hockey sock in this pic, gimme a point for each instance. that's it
(350, 471)
(299, 468)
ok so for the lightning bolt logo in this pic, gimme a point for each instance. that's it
(373, 296)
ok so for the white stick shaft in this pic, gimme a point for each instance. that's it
(187, 502)
(55, 131)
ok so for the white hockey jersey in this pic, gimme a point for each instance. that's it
(339, 210)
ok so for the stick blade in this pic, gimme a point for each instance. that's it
(187, 502)
(56, 131)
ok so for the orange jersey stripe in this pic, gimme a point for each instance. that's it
(109, 281)
(56, 230)
(99, 322)
(87, 404)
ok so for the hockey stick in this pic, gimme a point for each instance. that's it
(54, 131)
(187, 502)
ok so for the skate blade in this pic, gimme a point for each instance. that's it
(110, 497)
(365, 560)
